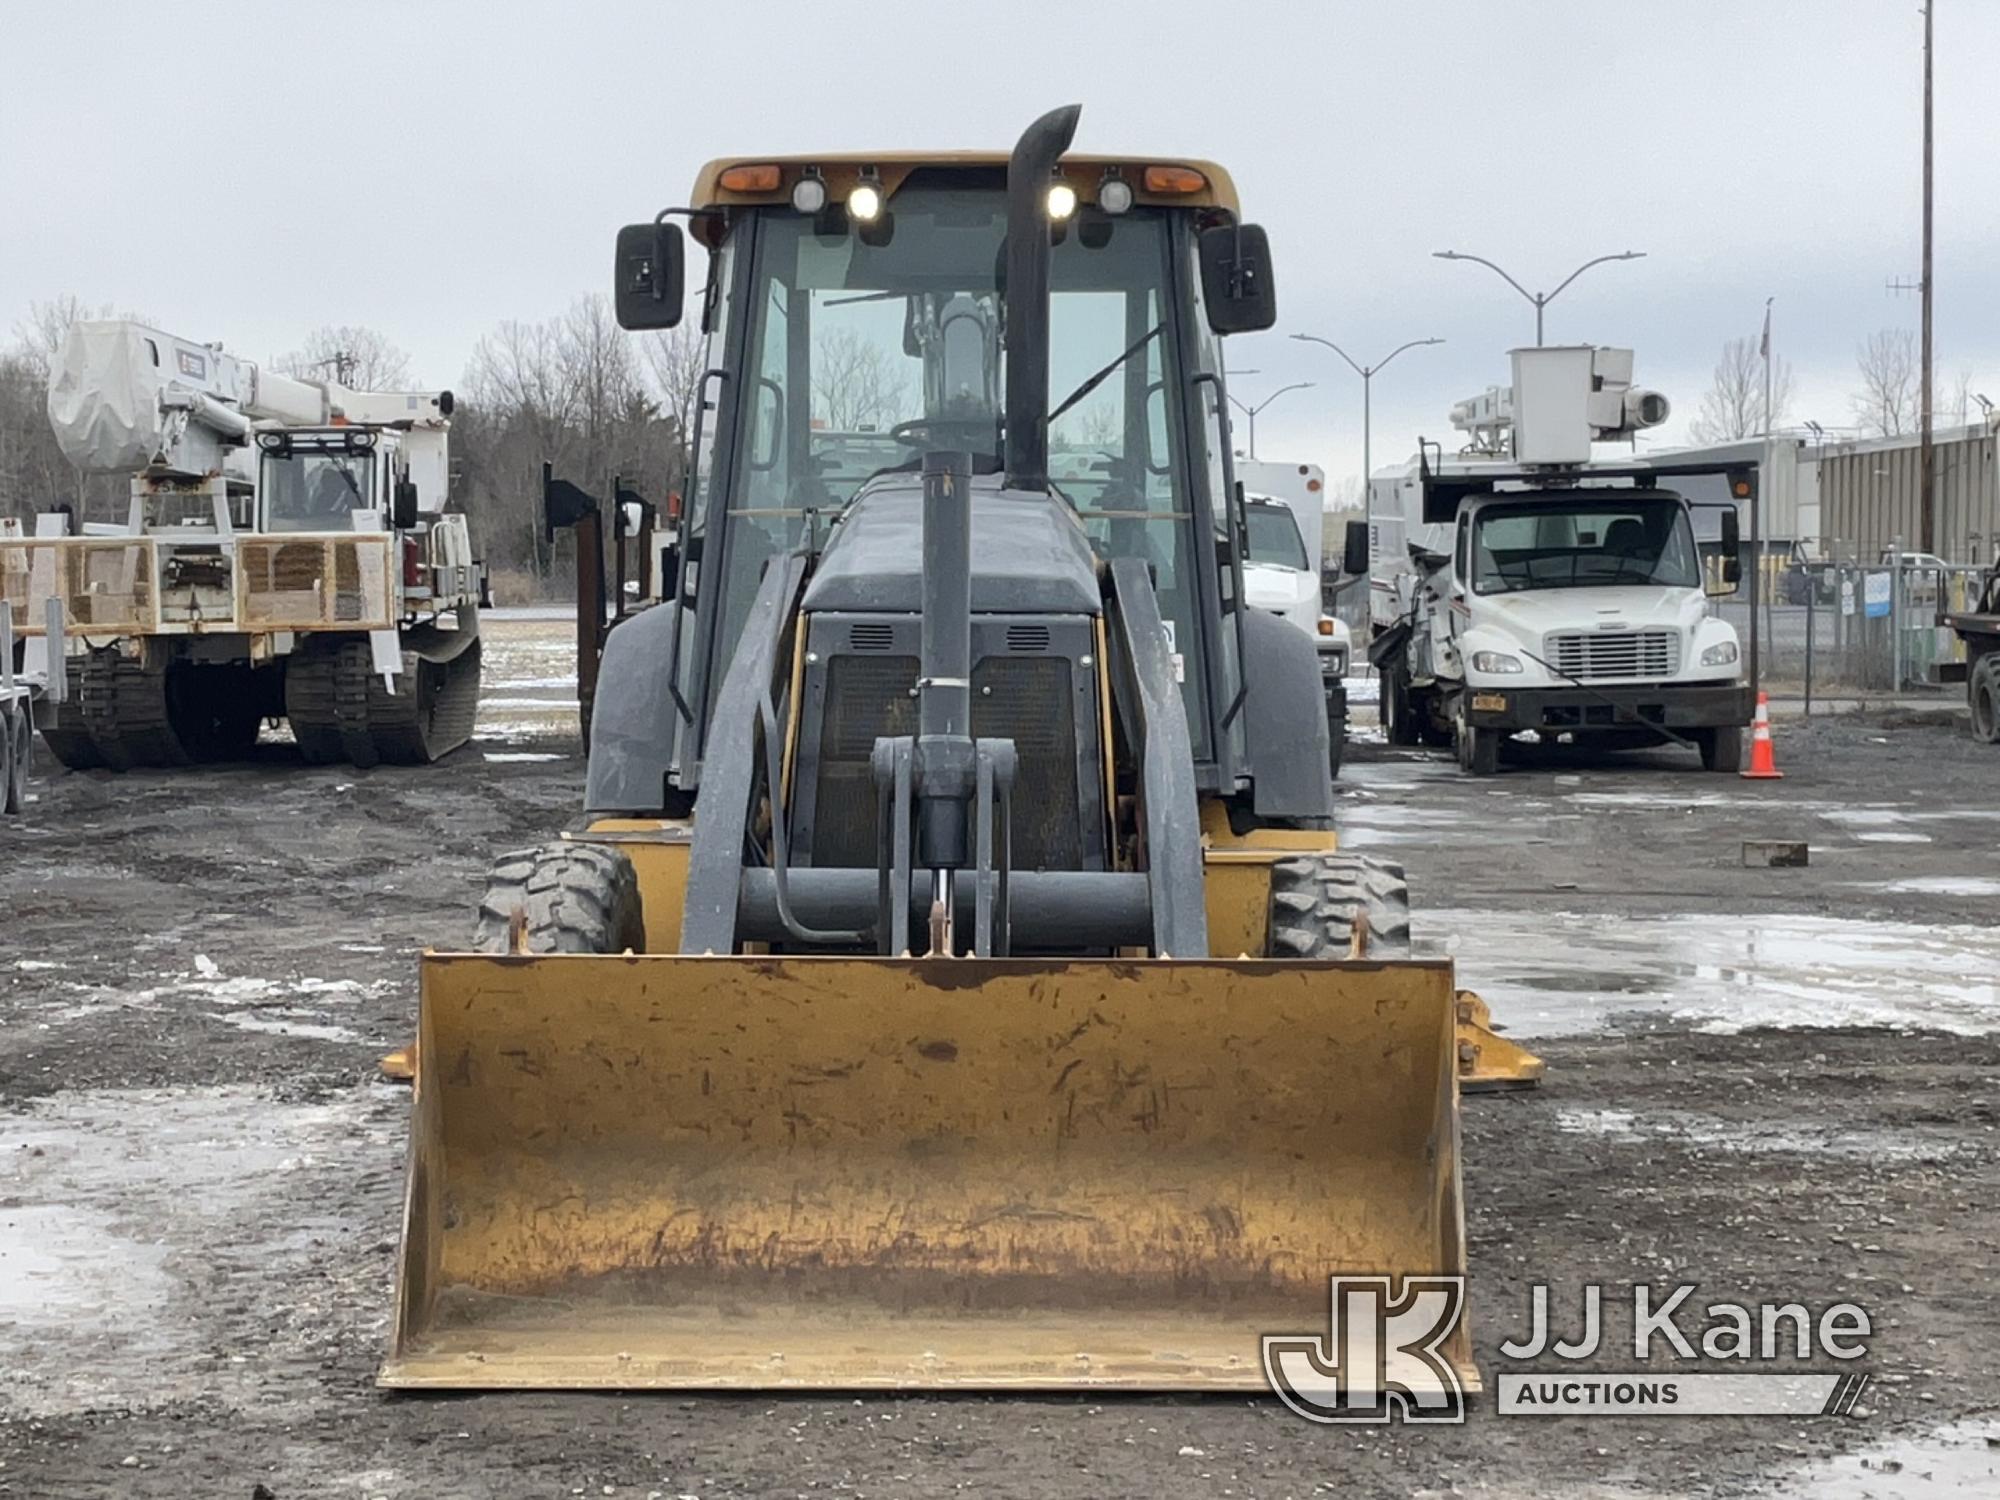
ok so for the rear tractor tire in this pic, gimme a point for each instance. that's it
(1316, 899)
(568, 898)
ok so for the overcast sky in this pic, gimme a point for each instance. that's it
(246, 173)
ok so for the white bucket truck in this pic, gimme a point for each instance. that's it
(1284, 513)
(1523, 586)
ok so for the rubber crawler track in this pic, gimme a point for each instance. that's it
(340, 710)
(122, 721)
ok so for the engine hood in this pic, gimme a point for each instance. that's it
(1286, 592)
(1029, 554)
(1533, 614)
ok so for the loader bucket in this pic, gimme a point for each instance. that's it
(834, 1172)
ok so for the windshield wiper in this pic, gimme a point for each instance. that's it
(1102, 375)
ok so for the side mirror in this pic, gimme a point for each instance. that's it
(1354, 555)
(649, 275)
(403, 510)
(1236, 278)
(1731, 571)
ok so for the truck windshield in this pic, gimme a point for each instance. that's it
(1274, 537)
(315, 491)
(1592, 542)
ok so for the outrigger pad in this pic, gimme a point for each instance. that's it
(834, 1172)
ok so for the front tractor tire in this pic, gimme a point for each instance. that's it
(1316, 899)
(565, 898)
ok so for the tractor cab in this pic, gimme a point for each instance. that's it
(857, 316)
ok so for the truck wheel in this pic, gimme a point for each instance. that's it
(1399, 719)
(1316, 897)
(1721, 749)
(1478, 749)
(572, 898)
(1982, 690)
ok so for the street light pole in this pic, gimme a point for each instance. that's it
(1367, 374)
(1540, 299)
(1251, 411)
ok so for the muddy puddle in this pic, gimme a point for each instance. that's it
(1958, 1462)
(133, 1223)
(1582, 972)
(1756, 1138)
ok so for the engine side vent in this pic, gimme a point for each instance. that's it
(1027, 639)
(871, 636)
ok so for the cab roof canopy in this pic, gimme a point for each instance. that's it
(1172, 182)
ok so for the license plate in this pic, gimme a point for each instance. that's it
(1489, 703)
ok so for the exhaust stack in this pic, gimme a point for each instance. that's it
(1028, 172)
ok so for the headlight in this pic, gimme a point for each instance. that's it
(1721, 654)
(1336, 663)
(1495, 661)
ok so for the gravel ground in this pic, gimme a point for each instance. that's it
(1777, 1083)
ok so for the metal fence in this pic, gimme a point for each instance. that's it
(1825, 628)
(1834, 628)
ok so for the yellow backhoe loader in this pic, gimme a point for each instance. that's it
(957, 983)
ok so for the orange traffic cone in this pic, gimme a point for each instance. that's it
(1763, 764)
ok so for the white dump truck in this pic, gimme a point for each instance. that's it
(1285, 516)
(286, 554)
(1524, 588)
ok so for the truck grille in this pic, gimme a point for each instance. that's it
(1615, 653)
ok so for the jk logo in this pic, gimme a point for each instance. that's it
(1381, 1356)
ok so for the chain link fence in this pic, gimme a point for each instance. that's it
(1824, 629)
(1828, 629)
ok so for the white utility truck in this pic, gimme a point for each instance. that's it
(1525, 587)
(1285, 516)
(286, 554)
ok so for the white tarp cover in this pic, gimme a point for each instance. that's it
(104, 397)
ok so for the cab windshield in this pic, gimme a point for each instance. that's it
(315, 491)
(870, 344)
(1274, 536)
(1585, 543)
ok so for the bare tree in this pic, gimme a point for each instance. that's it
(1733, 405)
(854, 385)
(1886, 404)
(40, 334)
(673, 363)
(1955, 406)
(1092, 425)
(359, 358)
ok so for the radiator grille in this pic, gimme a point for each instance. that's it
(871, 637)
(1025, 699)
(1027, 638)
(1615, 653)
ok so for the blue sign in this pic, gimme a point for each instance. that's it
(1875, 601)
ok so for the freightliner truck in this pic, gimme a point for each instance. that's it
(1524, 588)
